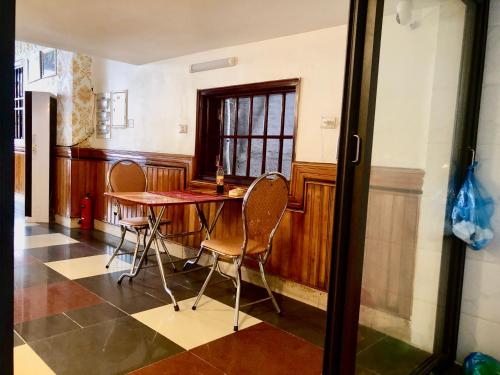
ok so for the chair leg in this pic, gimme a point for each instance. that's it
(263, 275)
(117, 249)
(238, 292)
(134, 258)
(207, 280)
(144, 243)
(168, 254)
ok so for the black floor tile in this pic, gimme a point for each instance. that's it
(152, 285)
(38, 229)
(367, 337)
(17, 340)
(391, 356)
(88, 316)
(297, 318)
(129, 296)
(111, 347)
(45, 327)
(63, 252)
(35, 274)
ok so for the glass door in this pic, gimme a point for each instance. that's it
(403, 152)
(415, 116)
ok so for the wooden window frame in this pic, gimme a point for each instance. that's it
(208, 109)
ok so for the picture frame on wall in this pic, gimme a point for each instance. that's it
(48, 59)
(34, 68)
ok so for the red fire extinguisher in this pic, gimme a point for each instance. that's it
(87, 216)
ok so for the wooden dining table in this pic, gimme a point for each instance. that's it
(162, 200)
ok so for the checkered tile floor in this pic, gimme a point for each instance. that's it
(71, 317)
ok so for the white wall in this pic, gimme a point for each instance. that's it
(437, 154)
(480, 318)
(406, 74)
(163, 94)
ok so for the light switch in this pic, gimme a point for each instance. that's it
(130, 123)
(328, 122)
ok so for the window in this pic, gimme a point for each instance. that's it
(249, 128)
(18, 102)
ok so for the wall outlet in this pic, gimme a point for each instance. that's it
(130, 123)
(328, 122)
(183, 128)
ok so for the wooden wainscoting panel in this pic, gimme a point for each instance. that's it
(19, 172)
(302, 172)
(302, 245)
(391, 240)
(63, 187)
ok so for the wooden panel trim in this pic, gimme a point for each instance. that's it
(307, 172)
(146, 158)
(406, 180)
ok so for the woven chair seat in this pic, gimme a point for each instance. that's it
(232, 246)
(138, 222)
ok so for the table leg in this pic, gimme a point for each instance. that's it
(208, 230)
(164, 281)
(144, 255)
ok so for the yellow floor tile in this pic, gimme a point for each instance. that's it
(42, 240)
(27, 362)
(78, 268)
(191, 328)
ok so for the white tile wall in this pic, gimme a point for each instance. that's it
(480, 319)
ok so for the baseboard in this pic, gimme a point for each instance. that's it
(384, 322)
(68, 222)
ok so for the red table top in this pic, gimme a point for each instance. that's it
(170, 198)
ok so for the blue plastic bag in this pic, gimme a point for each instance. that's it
(472, 213)
(481, 364)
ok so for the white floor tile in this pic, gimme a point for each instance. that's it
(27, 362)
(188, 328)
(42, 240)
(88, 266)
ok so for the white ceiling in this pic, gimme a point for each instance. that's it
(141, 31)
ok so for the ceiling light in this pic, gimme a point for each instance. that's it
(214, 64)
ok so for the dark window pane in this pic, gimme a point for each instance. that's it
(243, 113)
(286, 164)
(227, 155)
(256, 157)
(272, 155)
(274, 115)
(259, 111)
(290, 113)
(229, 116)
(241, 157)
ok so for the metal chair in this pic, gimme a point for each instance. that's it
(128, 176)
(263, 207)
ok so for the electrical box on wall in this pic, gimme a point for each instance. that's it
(328, 122)
(103, 115)
(119, 111)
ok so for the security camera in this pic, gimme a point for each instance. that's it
(403, 12)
